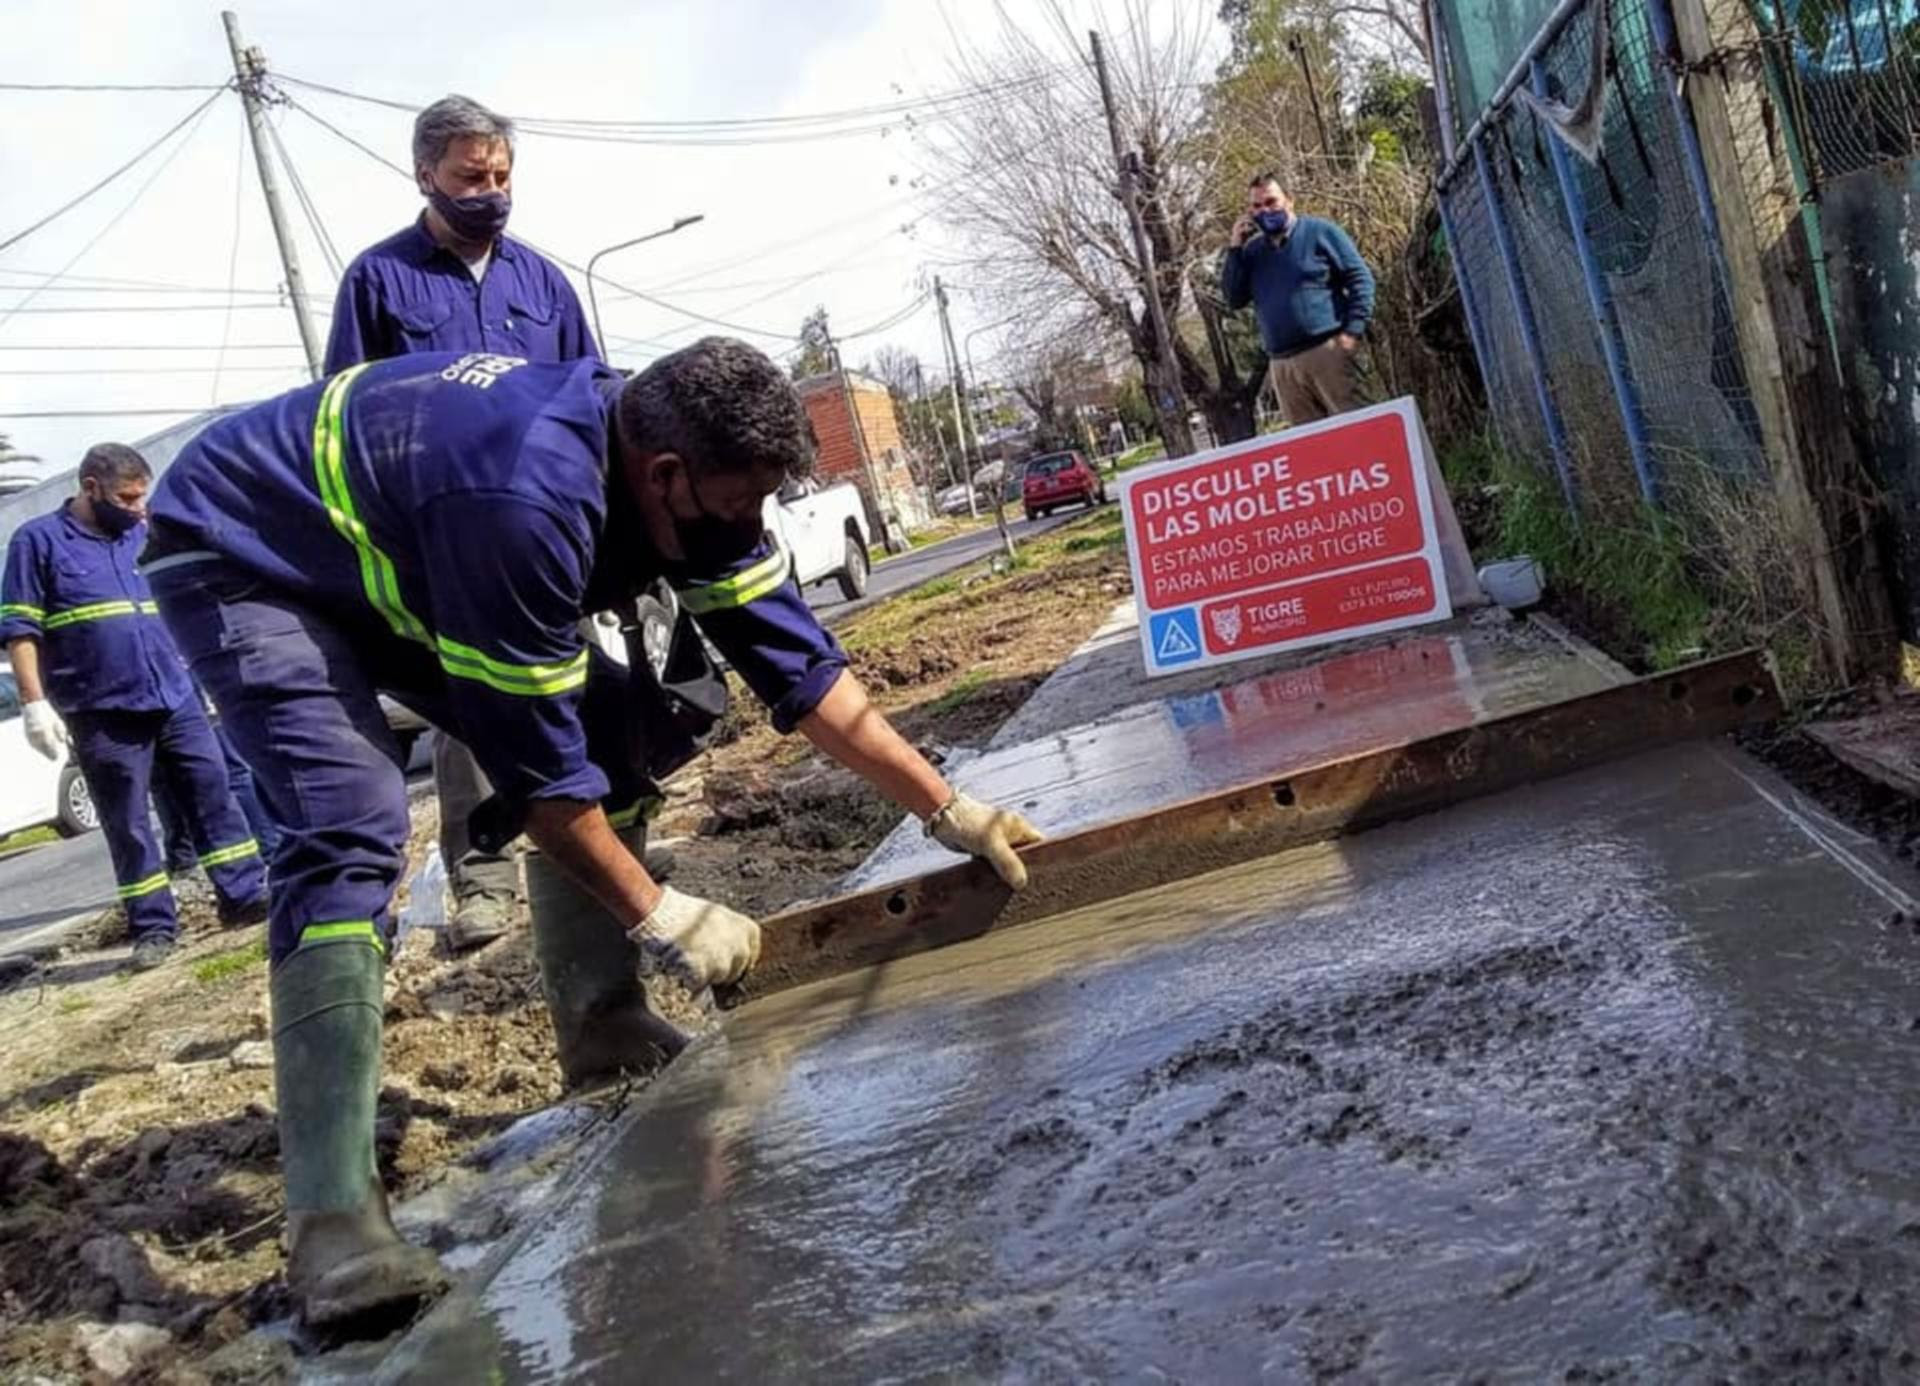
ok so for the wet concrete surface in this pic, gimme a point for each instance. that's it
(1236, 725)
(1612, 1078)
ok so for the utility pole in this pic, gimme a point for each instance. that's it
(1168, 397)
(249, 70)
(955, 383)
(1313, 95)
(953, 397)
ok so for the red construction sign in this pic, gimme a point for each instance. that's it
(1320, 533)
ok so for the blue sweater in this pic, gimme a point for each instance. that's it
(1303, 290)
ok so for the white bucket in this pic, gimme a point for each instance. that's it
(1515, 583)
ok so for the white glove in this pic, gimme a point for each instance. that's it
(46, 733)
(696, 940)
(980, 830)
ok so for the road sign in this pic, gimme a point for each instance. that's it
(1320, 533)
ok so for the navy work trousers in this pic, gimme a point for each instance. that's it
(123, 755)
(177, 837)
(298, 694)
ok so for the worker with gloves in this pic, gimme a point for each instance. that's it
(435, 527)
(98, 674)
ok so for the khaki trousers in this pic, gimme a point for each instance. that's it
(1319, 382)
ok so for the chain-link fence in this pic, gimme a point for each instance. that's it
(1849, 71)
(1676, 390)
(1495, 323)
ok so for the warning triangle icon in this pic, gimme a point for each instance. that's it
(1175, 643)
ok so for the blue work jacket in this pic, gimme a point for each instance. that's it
(460, 505)
(102, 646)
(410, 294)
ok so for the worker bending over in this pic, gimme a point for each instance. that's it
(435, 527)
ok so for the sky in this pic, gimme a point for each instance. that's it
(787, 225)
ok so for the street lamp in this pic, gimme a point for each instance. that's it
(593, 300)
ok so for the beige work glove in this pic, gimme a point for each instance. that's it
(698, 941)
(965, 824)
(46, 733)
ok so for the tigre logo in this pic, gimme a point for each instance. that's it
(480, 369)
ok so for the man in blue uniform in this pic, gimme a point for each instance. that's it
(455, 281)
(98, 671)
(435, 527)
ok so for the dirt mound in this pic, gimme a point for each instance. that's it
(909, 665)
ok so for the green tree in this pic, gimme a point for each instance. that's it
(1387, 114)
(816, 346)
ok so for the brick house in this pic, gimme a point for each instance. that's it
(838, 449)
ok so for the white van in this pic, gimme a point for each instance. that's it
(34, 790)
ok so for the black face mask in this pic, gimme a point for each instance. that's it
(711, 542)
(112, 518)
(478, 219)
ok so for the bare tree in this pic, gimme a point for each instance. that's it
(898, 369)
(1026, 175)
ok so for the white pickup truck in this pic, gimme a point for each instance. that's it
(824, 528)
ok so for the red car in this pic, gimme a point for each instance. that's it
(1060, 478)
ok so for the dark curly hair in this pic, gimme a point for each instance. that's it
(723, 406)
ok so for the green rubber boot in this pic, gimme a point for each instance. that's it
(590, 972)
(348, 1269)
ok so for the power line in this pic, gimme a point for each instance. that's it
(789, 284)
(730, 130)
(893, 320)
(338, 133)
(62, 210)
(712, 267)
(149, 370)
(101, 413)
(113, 86)
(233, 254)
(145, 346)
(134, 289)
(115, 219)
(709, 319)
(577, 268)
(307, 205)
(165, 308)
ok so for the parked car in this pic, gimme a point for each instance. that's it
(34, 790)
(1057, 479)
(952, 501)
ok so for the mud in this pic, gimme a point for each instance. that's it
(130, 1123)
(1613, 1078)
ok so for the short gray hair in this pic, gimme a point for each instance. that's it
(450, 118)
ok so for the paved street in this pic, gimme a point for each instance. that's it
(896, 575)
(46, 884)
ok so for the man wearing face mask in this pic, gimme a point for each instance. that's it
(99, 674)
(1312, 295)
(454, 281)
(435, 527)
